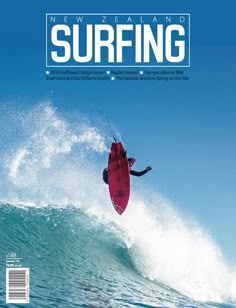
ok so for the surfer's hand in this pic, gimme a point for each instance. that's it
(149, 168)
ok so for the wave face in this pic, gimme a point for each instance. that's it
(57, 216)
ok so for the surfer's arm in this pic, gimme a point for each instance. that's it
(138, 173)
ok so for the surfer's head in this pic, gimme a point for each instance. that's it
(131, 161)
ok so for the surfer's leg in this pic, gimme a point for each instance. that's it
(105, 175)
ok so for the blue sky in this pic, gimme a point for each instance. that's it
(185, 130)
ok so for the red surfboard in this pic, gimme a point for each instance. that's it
(119, 177)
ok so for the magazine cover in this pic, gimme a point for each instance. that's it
(117, 154)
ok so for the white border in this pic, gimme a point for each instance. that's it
(117, 14)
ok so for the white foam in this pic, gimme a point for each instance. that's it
(48, 138)
(170, 249)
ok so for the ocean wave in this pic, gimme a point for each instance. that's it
(51, 181)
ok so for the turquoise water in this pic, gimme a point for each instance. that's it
(56, 215)
(75, 261)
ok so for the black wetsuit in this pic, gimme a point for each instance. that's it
(132, 172)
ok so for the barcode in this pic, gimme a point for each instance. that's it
(17, 285)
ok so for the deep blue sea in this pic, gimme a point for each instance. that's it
(56, 216)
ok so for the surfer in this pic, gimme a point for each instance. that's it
(131, 162)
